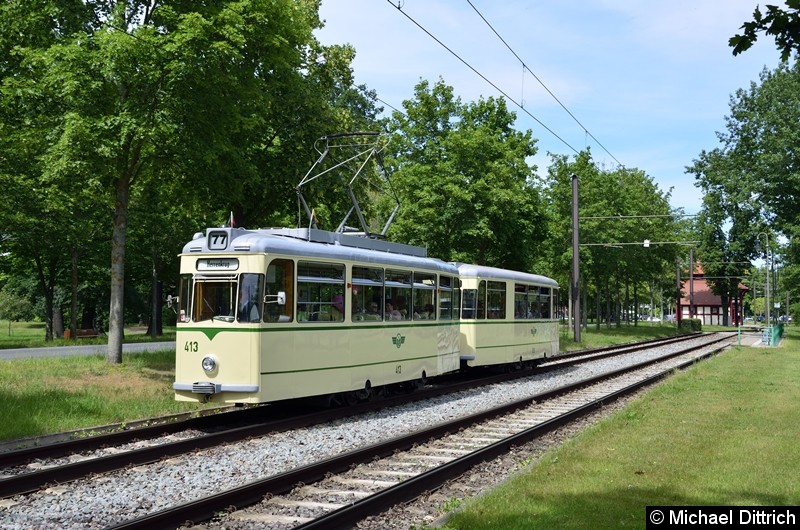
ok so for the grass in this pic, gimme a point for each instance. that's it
(609, 336)
(31, 335)
(723, 433)
(48, 395)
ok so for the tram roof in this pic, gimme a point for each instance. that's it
(320, 244)
(483, 272)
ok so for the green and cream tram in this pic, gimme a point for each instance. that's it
(273, 314)
(507, 317)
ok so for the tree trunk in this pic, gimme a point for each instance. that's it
(627, 301)
(46, 284)
(58, 323)
(597, 321)
(155, 328)
(73, 303)
(725, 309)
(116, 314)
(585, 307)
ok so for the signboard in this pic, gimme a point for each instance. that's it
(217, 240)
(218, 264)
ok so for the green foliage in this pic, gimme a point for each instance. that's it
(691, 324)
(465, 187)
(119, 119)
(784, 25)
(752, 180)
(617, 210)
(14, 307)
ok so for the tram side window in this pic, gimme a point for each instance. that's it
(555, 311)
(544, 302)
(367, 296)
(280, 279)
(496, 295)
(424, 296)
(215, 299)
(473, 302)
(446, 298)
(521, 304)
(481, 313)
(320, 289)
(184, 295)
(398, 295)
(469, 301)
(251, 287)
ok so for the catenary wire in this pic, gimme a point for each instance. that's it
(399, 7)
(525, 67)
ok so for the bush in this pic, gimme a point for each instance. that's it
(691, 324)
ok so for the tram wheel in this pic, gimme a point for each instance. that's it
(366, 393)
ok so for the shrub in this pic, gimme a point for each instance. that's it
(691, 324)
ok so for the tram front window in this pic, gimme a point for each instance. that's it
(215, 300)
(251, 287)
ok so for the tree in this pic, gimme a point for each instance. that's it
(216, 99)
(784, 25)
(13, 307)
(465, 186)
(754, 176)
(615, 211)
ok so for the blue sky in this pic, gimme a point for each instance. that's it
(651, 80)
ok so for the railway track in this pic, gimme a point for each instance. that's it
(290, 480)
(34, 467)
(339, 492)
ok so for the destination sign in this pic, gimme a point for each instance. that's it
(218, 264)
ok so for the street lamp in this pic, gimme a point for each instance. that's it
(766, 291)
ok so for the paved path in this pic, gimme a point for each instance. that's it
(747, 338)
(89, 349)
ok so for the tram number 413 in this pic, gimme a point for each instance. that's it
(191, 347)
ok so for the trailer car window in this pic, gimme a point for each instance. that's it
(474, 302)
(521, 304)
(481, 313)
(496, 295)
(544, 302)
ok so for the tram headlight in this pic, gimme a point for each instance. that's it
(209, 364)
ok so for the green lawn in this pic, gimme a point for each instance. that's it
(49, 395)
(31, 335)
(723, 433)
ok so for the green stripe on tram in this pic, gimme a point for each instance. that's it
(302, 326)
(350, 366)
(335, 326)
(511, 345)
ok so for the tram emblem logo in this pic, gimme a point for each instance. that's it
(533, 331)
(398, 340)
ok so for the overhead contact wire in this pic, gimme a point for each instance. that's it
(526, 67)
(501, 91)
